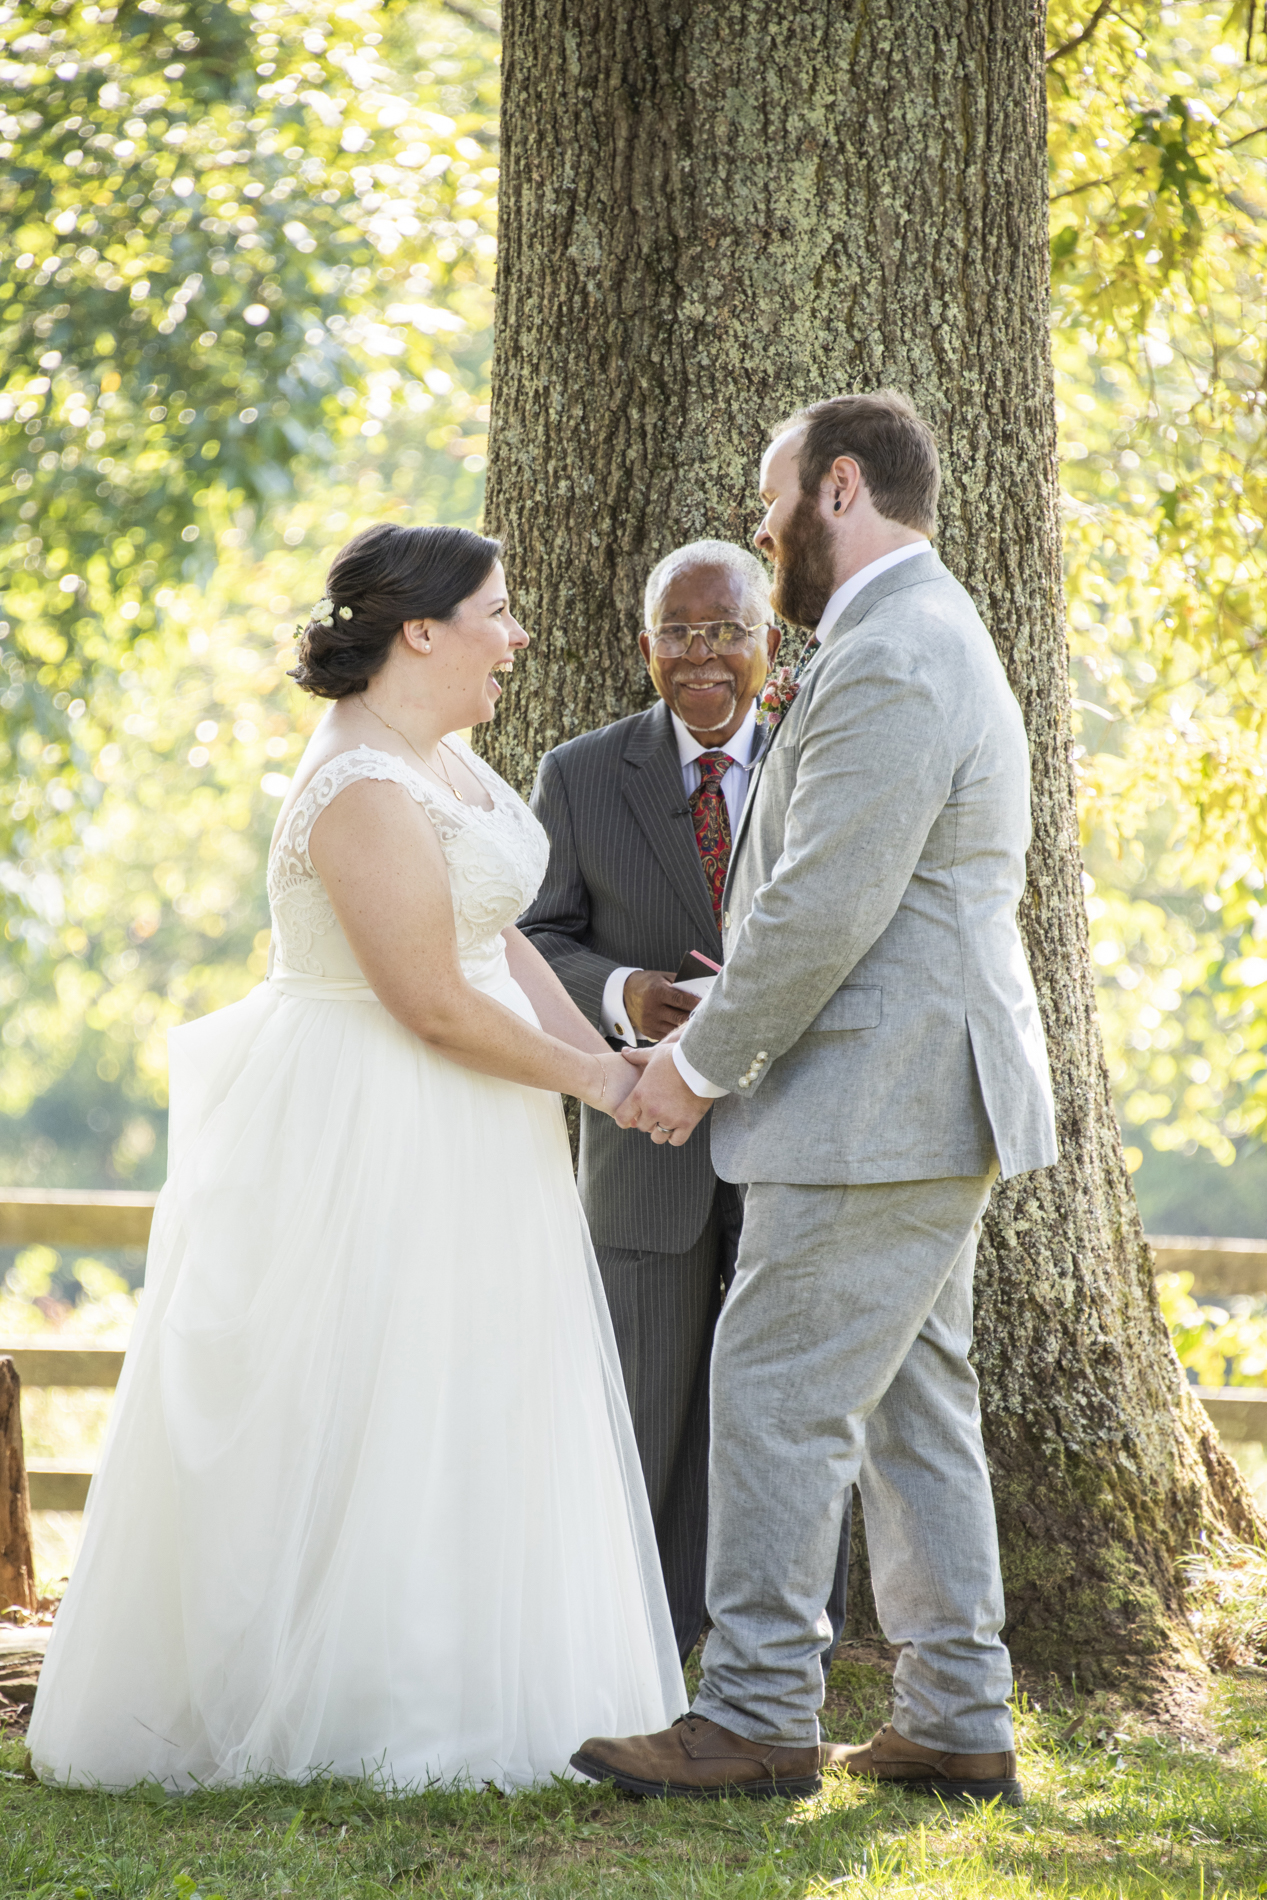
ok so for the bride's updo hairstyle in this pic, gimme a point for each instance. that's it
(383, 577)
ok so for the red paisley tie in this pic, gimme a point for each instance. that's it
(712, 823)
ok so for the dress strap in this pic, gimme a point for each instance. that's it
(347, 768)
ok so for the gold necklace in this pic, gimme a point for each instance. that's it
(442, 773)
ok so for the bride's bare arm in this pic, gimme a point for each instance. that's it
(556, 1012)
(378, 857)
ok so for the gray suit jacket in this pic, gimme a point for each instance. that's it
(625, 885)
(876, 1019)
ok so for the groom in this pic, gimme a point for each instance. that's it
(875, 1057)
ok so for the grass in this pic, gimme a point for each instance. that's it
(1226, 1586)
(1113, 1811)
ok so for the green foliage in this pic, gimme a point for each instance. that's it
(1159, 196)
(218, 219)
(1114, 1813)
(1220, 1345)
(142, 869)
(183, 470)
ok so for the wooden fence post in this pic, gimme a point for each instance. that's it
(17, 1563)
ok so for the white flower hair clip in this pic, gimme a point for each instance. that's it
(323, 612)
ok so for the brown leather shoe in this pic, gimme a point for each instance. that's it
(888, 1756)
(698, 1757)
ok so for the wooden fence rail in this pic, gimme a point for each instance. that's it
(69, 1218)
(1217, 1266)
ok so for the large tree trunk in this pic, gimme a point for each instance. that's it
(711, 214)
(17, 1565)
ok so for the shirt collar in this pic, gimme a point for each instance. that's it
(856, 582)
(739, 745)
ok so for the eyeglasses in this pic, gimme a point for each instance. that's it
(719, 636)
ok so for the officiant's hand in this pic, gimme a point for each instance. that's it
(655, 1005)
(661, 1105)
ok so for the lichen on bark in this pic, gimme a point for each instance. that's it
(711, 214)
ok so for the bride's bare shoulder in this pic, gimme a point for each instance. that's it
(335, 738)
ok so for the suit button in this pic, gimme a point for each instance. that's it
(725, 920)
(745, 1081)
(762, 1056)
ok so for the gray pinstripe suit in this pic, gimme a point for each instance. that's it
(625, 886)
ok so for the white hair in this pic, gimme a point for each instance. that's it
(747, 569)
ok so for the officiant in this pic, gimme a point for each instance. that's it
(640, 816)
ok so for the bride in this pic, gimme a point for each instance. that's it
(370, 1501)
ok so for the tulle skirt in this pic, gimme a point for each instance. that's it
(370, 1502)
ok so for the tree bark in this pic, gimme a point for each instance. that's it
(17, 1563)
(712, 214)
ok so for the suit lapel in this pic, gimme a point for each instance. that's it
(920, 567)
(769, 735)
(754, 779)
(653, 791)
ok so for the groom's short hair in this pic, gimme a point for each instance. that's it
(889, 440)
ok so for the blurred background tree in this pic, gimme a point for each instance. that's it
(246, 309)
(247, 271)
(1159, 200)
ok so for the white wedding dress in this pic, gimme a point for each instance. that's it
(370, 1501)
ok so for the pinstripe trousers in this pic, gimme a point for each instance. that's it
(664, 1309)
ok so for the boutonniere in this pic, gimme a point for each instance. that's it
(780, 690)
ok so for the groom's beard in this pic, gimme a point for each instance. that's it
(804, 577)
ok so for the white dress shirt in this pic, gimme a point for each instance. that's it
(613, 1020)
(847, 591)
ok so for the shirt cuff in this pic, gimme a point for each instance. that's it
(612, 1017)
(697, 1083)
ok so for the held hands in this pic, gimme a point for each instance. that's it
(655, 1006)
(661, 1104)
(610, 1081)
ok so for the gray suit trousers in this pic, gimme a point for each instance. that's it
(664, 1309)
(841, 1355)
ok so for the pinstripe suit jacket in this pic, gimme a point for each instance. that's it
(625, 885)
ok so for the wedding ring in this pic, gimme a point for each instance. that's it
(663, 1129)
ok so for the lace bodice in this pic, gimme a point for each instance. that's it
(496, 860)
